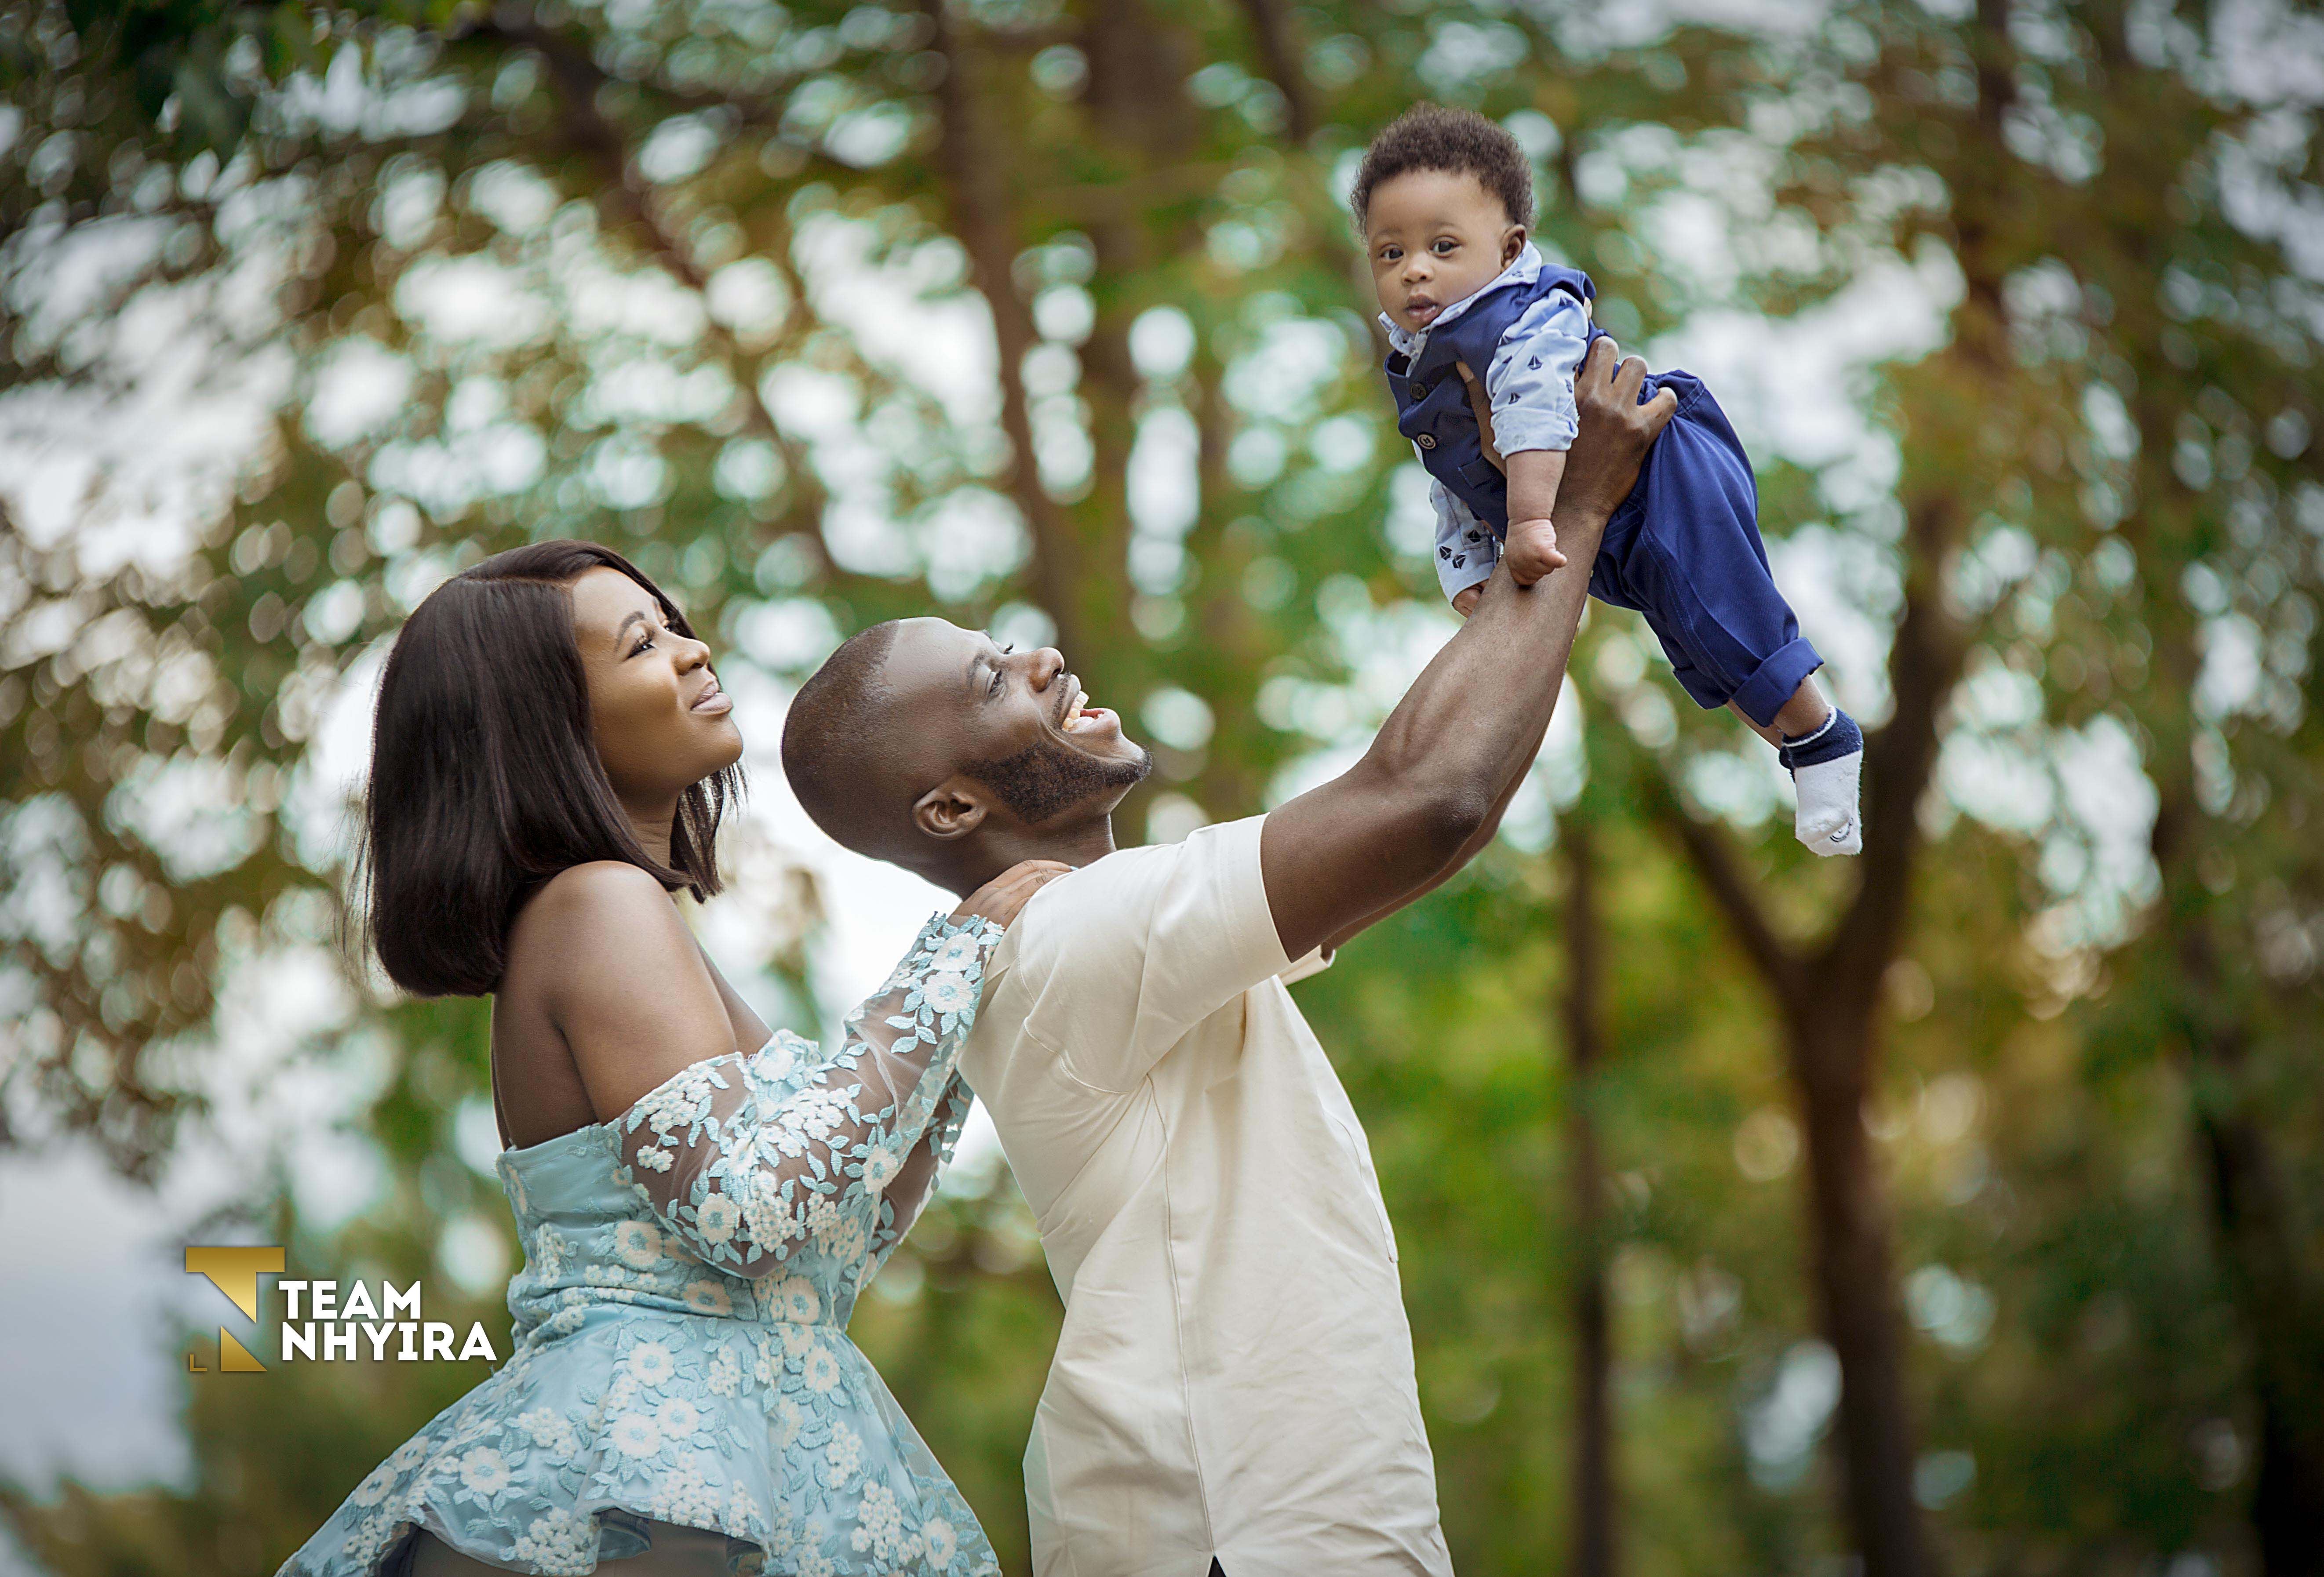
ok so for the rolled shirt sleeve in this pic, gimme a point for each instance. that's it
(1466, 548)
(1530, 384)
(1130, 953)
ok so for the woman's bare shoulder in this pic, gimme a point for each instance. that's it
(605, 903)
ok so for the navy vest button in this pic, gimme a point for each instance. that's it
(1426, 440)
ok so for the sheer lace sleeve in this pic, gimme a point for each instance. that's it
(746, 1175)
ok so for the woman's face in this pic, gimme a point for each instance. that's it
(660, 722)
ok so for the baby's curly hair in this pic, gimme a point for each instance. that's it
(1428, 136)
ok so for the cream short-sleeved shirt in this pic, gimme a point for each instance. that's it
(1234, 1377)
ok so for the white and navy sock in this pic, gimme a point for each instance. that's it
(1827, 767)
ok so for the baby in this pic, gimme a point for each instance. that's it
(1488, 337)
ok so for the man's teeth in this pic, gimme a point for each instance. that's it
(1078, 716)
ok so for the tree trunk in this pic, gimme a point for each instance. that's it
(1853, 1278)
(1593, 1524)
(2263, 1257)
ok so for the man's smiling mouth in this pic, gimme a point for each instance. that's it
(1075, 716)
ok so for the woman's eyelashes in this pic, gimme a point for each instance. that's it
(646, 640)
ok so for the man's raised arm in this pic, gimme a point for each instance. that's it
(1445, 763)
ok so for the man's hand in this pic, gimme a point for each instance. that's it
(999, 899)
(1603, 467)
(1428, 794)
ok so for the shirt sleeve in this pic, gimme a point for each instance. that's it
(1466, 548)
(1118, 960)
(1530, 382)
(743, 1163)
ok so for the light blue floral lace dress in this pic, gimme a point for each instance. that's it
(680, 1349)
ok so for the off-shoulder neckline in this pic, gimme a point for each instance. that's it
(975, 923)
(520, 1153)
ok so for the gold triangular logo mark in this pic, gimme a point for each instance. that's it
(233, 1357)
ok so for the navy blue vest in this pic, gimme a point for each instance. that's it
(1431, 402)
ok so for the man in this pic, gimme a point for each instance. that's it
(1232, 1390)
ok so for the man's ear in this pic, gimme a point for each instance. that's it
(953, 809)
(1513, 242)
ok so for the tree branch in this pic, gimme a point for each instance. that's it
(1925, 660)
(1714, 861)
(579, 78)
(1278, 59)
(984, 219)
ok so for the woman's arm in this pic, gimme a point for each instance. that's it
(640, 1007)
(745, 1169)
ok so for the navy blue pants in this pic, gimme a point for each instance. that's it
(1685, 551)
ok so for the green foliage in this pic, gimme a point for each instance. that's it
(720, 285)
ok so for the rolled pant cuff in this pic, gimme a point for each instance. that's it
(1761, 695)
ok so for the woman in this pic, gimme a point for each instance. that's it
(699, 1202)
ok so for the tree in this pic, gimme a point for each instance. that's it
(1045, 316)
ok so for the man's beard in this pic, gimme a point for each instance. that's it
(1047, 778)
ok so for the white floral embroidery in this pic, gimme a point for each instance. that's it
(374, 1489)
(797, 1301)
(783, 1053)
(954, 955)
(879, 1529)
(848, 1239)
(638, 1244)
(652, 1363)
(622, 1391)
(844, 1453)
(790, 1422)
(655, 1158)
(484, 1471)
(550, 1430)
(635, 1434)
(821, 1371)
(706, 1296)
(716, 1218)
(677, 1417)
(947, 992)
(936, 1536)
(686, 1501)
(549, 1252)
(562, 1541)
(725, 1376)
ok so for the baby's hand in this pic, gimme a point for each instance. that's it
(1532, 550)
(1464, 601)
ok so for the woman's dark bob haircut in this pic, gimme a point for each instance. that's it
(485, 776)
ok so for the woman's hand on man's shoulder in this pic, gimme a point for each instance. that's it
(1001, 899)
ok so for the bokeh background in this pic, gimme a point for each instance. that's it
(1951, 1209)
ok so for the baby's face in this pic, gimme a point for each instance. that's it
(1436, 236)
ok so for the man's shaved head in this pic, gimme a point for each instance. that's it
(833, 733)
(924, 744)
